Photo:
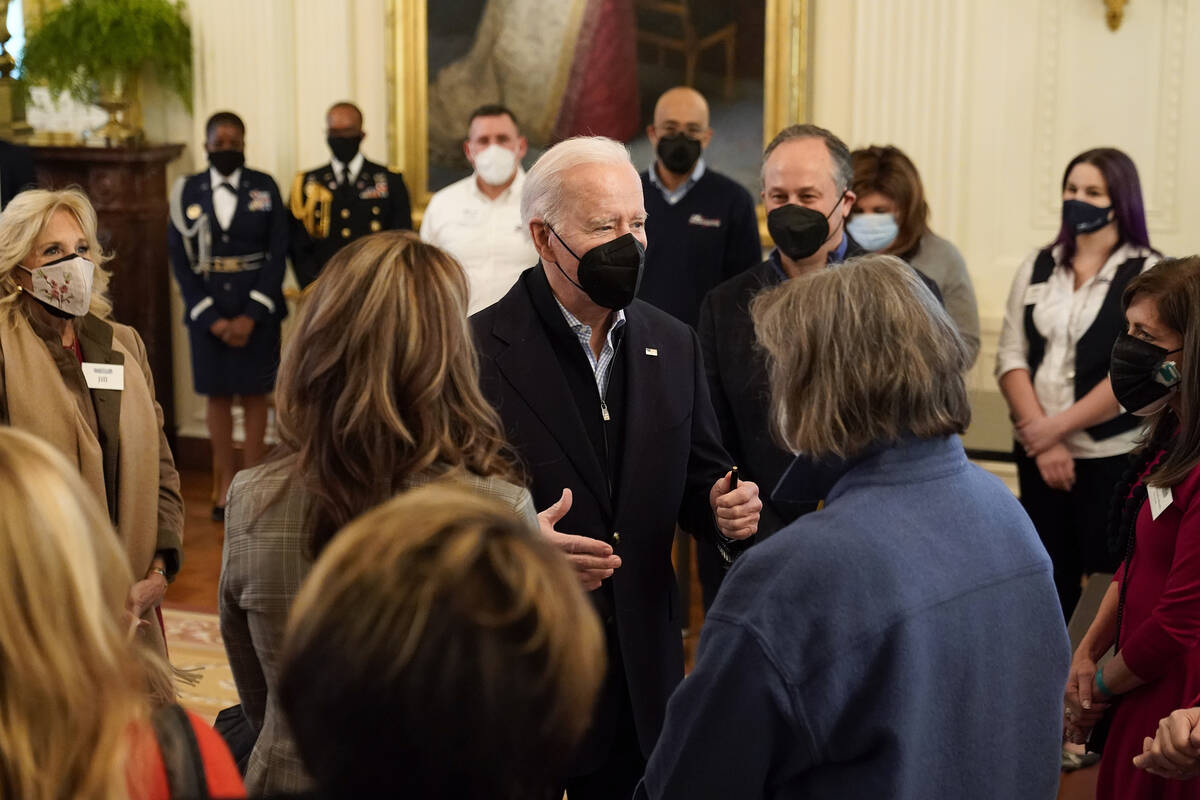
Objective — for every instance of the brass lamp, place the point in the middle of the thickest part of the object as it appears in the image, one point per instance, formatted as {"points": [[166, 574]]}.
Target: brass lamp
{"points": [[12, 99]]}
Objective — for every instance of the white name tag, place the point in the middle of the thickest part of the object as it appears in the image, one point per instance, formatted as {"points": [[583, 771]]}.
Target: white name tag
{"points": [[1159, 500], [104, 376], [1034, 294]]}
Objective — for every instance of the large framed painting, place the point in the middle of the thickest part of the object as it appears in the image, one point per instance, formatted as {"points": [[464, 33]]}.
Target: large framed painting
{"points": [[570, 67]]}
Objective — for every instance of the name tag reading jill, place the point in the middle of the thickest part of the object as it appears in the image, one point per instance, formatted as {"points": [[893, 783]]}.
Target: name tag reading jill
{"points": [[104, 376], [1160, 498]]}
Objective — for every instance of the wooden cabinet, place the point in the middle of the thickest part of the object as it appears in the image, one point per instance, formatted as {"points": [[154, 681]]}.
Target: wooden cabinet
{"points": [[128, 188]]}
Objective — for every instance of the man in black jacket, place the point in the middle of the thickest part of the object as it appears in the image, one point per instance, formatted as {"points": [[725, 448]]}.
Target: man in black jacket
{"points": [[605, 400], [806, 176], [343, 200]]}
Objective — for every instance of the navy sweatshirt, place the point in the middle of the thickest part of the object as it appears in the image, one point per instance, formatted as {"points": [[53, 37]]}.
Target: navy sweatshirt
{"points": [[901, 643], [707, 237]]}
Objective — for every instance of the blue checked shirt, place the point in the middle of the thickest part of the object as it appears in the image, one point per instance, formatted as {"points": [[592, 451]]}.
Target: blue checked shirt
{"points": [[602, 366]]}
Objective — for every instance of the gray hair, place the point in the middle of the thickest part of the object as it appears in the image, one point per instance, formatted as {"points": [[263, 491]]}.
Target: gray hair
{"points": [[542, 196], [860, 353], [843, 171]]}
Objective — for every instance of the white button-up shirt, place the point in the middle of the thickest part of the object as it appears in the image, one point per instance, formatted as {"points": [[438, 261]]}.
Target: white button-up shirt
{"points": [[224, 201], [1062, 314], [485, 236], [354, 167]]}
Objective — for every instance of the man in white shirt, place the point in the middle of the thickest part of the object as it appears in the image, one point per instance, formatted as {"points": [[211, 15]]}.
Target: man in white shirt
{"points": [[478, 219]]}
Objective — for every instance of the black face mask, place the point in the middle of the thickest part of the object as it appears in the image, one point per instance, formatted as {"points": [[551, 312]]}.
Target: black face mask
{"points": [[609, 273], [799, 231], [226, 162], [1082, 217], [1142, 378], [344, 148], [679, 153]]}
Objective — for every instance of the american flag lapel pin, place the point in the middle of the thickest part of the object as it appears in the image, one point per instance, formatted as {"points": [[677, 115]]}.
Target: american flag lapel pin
{"points": [[652, 351]]}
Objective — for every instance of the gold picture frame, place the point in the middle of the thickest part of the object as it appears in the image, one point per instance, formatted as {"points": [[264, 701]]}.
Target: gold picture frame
{"points": [[786, 82]]}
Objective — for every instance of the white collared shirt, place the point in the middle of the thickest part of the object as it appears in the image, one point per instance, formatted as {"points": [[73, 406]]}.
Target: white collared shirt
{"points": [[1062, 314], [339, 169], [485, 236], [224, 201]]}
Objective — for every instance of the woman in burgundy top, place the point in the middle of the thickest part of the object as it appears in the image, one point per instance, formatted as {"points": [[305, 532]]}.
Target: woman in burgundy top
{"points": [[1152, 609]]}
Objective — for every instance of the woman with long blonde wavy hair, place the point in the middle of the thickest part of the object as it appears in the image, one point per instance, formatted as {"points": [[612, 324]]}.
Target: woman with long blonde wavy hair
{"points": [[76, 718], [377, 393]]}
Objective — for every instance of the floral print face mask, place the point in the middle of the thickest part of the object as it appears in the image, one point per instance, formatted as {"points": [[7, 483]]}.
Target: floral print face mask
{"points": [[65, 285]]}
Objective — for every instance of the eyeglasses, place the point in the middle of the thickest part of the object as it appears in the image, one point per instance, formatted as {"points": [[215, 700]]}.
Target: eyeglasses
{"points": [[694, 131]]}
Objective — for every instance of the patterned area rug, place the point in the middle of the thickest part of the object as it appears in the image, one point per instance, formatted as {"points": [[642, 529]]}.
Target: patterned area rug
{"points": [[194, 641]]}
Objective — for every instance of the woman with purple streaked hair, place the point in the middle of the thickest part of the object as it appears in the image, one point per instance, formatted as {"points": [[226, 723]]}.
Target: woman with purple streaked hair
{"points": [[1064, 313]]}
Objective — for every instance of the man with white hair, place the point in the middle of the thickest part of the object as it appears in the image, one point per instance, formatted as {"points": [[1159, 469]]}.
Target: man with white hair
{"points": [[604, 398]]}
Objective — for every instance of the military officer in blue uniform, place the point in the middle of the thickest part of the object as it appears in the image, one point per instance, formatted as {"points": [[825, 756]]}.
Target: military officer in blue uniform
{"points": [[347, 198], [228, 240]]}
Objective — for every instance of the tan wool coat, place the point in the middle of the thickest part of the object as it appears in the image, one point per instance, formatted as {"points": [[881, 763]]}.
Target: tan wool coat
{"points": [[115, 437]]}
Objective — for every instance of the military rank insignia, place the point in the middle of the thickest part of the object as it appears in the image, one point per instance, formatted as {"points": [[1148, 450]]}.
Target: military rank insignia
{"points": [[378, 191], [260, 200]]}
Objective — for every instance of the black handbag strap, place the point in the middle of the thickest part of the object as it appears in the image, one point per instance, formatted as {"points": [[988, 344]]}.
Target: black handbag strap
{"points": [[180, 753]]}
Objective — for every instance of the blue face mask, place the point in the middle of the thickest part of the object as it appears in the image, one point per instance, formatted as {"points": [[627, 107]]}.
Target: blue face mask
{"points": [[873, 231]]}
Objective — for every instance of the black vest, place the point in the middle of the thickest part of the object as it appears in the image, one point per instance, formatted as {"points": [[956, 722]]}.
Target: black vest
{"points": [[606, 435], [604, 422], [1093, 351]]}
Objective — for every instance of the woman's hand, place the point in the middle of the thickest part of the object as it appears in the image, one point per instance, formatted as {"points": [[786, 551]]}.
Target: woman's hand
{"points": [[1057, 468], [1174, 752], [1039, 434], [1082, 710], [146, 594]]}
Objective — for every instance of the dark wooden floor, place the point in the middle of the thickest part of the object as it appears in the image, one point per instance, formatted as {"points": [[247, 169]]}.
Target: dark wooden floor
{"points": [[195, 589]]}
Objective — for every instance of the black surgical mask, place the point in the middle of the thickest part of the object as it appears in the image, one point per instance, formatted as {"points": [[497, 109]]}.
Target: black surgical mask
{"points": [[1082, 217], [226, 162], [609, 273], [799, 231], [1142, 378], [344, 148], [679, 153]]}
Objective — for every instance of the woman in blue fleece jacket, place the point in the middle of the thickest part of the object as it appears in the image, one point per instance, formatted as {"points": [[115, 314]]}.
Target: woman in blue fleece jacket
{"points": [[869, 649]]}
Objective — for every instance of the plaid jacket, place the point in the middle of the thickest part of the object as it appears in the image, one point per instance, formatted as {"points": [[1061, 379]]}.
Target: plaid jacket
{"points": [[263, 564]]}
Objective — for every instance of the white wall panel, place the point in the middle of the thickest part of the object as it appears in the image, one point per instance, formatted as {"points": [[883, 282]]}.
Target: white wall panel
{"points": [[991, 99]]}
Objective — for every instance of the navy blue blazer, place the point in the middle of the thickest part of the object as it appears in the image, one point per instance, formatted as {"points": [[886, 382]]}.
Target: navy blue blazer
{"points": [[670, 457], [259, 225]]}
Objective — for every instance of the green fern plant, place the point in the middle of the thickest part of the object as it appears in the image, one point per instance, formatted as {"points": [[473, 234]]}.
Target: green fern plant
{"points": [[87, 43]]}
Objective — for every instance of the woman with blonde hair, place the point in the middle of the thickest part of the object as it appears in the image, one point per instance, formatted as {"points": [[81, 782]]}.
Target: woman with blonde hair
{"points": [[72, 376], [75, 717], [378, 392], [459, 603]]}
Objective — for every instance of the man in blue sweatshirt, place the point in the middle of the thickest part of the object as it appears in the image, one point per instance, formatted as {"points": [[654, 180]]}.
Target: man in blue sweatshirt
{"points": [[867, 649]]}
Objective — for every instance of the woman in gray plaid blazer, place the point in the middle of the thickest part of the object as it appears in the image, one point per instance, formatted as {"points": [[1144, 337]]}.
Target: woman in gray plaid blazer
{"points": [[377, 393]]}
